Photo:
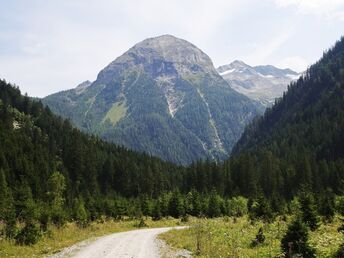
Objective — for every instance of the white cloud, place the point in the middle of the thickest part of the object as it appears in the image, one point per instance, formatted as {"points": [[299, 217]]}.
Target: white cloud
{"points": [[72, 41], [296, 63], [325, 8]]}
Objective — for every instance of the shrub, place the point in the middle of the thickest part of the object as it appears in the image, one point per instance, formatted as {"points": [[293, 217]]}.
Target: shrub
{"points": [[260, 238], [185, 218], [29, 235], [141, 223], [237, 206], [340, 252]]}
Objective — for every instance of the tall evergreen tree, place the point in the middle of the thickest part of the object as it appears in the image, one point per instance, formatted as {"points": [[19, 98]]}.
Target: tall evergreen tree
{"points": [[295, 242], [308, 209]]}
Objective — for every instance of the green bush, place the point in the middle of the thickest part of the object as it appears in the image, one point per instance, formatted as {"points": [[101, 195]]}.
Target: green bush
{"points": [[29, 235], [260, 238], [340, 252]]}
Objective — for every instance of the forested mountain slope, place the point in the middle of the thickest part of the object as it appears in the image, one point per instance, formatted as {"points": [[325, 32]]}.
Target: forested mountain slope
{"points": [[310, 115], [34, 143], [164, 97], [304, 131]]}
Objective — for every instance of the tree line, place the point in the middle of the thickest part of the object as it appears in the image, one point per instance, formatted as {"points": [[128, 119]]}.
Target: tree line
{"points": [[50, 172]]}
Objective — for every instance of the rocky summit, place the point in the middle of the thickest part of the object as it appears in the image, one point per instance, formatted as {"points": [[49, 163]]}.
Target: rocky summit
{"points": [[164, 97], [262, 83]]}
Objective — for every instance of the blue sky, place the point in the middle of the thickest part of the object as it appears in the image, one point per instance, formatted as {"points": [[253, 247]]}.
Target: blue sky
{"points": [[48, 46]]}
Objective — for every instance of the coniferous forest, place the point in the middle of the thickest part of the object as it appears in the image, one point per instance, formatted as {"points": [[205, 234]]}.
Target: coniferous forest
{"points": [[50, 172]]}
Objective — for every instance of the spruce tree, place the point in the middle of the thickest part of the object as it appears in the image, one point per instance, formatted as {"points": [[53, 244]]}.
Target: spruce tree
{"points": [[56, 187], [7, 212], [214, 205], [156, 214], [80, 213], [176, 205], [261, 209], [308, 210], [327, 206], [295, 242]]}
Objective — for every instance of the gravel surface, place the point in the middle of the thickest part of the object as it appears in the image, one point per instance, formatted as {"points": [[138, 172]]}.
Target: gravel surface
{"points": [[140, 243]]}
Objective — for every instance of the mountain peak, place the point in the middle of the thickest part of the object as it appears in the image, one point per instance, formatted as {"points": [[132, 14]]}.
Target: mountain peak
{"points": [[238, 63], [171, 49], [162, 96], [162, 55], [262, 83]]}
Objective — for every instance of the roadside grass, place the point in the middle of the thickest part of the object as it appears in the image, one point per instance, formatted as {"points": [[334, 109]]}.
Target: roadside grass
{"points": [[58, 238], [229, 237]]}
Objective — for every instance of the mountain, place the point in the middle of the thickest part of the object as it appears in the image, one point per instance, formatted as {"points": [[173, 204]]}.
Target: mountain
{"points": [[262, 83], [306, 126], [164, 97]]}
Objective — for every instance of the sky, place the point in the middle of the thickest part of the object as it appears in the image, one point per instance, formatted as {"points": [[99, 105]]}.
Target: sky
{"points": [[49, 46]]}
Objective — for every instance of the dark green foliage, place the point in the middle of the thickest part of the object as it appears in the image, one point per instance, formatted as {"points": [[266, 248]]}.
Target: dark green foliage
{"points": [[156, 213], [295, 241], [56, 187], [214, 205], [176, 205], [260, 238], [193, 203], [29, 235], [340, 252], [52, 172], [146, 206], [341, 227], [7, 211], [80, 214], [141, 223], [327, 206], [261, 209], [308, 210], [303, 132], [146, 121], [237, 206], [340, 205]]}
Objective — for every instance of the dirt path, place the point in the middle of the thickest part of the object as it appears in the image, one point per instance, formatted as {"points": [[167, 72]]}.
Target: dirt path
{"points": [[140, 243]]}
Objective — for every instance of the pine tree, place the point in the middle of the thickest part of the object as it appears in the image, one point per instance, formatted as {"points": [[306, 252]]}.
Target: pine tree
{"points": [[308, 210], [156, 214], [80, 214], [214, 205], [56, 187], [261, 209], [193, 203], [176, 205], [295, 242], [146, 206], [327, 206], [7, 212]]}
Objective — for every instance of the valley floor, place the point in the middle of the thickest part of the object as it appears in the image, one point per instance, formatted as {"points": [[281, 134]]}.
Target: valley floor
{"points": [[219, 237], [70, 234], [230, 237]]}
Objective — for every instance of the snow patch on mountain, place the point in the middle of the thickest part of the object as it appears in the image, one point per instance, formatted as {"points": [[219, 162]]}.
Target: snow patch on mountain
{"points": [[262, 83], [228, 71]]}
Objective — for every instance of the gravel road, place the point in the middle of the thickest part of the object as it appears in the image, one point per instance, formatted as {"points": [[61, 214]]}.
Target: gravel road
{"points": [[140, 243]]}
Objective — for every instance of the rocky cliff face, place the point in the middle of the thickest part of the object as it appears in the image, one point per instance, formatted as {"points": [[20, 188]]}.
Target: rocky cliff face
{"points": [[163, 96], [260, 83]]}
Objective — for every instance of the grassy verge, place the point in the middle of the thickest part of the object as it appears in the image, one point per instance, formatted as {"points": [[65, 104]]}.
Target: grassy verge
{"points": [[227, 237], [59, 238]]}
